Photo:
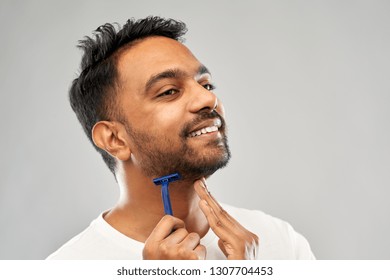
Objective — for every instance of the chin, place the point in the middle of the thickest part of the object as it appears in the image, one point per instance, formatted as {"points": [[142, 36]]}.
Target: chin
{"points": [[204, 167]]}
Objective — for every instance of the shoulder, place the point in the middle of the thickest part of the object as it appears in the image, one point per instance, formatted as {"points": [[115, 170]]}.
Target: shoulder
{"points": [[278, 239], [79, 246], [98, 241]]}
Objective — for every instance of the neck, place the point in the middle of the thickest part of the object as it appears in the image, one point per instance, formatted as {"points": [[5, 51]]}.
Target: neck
{"points": [[140, 205]]}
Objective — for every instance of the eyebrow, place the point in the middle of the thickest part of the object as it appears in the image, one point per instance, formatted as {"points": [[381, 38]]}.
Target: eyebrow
{"points": [[171, 74]]}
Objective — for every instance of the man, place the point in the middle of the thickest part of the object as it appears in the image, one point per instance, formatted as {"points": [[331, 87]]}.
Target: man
{"points": [[147, 104]]}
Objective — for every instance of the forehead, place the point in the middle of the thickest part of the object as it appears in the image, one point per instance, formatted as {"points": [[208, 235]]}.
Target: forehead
{"points": [[152, 56]]}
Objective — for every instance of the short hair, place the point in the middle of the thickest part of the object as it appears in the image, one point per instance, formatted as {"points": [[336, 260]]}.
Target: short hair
{"points": [[92, 94]]}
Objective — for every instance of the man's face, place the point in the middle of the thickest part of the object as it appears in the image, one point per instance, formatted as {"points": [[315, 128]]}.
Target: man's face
{"points": [[173, 120]]}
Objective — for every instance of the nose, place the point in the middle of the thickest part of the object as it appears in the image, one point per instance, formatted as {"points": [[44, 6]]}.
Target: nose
{"points": [[202, 99]]}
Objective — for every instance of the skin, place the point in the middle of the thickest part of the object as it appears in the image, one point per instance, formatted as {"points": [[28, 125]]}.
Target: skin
{"points": [[161, 111]]}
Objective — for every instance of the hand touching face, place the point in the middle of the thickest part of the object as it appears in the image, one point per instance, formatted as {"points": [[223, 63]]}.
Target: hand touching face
{"points": [[171, 240], [235, 241]]}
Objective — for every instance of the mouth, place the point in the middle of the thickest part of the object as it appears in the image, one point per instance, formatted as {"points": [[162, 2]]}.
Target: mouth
{"points": [[205, 128]]}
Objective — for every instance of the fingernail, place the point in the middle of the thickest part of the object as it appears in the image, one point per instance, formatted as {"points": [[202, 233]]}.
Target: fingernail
{"points": [[203, 184]]}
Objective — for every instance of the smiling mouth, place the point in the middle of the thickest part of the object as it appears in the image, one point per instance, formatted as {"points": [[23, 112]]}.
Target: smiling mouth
{"points": [[207, 129]]}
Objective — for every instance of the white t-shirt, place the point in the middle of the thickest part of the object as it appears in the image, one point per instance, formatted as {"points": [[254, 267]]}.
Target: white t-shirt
{"points": [[278, 240]]}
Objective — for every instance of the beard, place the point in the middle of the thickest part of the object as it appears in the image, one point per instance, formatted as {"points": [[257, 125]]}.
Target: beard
{"points": [[159, 156]]}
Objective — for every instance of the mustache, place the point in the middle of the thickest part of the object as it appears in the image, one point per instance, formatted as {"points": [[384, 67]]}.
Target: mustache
{"points": [[201, 117]]}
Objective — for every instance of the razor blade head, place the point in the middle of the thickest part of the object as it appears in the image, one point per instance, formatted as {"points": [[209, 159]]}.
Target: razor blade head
{"points": [[168, 178]]}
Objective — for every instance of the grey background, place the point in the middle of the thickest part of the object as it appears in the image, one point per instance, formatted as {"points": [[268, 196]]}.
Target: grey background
{"points": [[306, 89]]}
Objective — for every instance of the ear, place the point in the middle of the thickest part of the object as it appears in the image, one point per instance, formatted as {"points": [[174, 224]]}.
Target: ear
{"points": [[111, 137]]}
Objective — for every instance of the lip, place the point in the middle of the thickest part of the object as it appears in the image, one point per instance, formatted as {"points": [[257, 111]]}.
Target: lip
{"points": [[213, 122]]}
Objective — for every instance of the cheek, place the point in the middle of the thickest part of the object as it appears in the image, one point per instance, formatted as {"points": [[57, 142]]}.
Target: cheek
{"points": [[168, 118]]}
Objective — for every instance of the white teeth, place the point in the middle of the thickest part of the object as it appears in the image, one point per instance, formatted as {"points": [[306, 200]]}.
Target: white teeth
{"points": [[205, 130]]}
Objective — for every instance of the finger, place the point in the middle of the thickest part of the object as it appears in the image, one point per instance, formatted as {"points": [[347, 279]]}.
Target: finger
{"points": [[222, 247], [220, 217], [220, 229], [165, 227], [176, 236], [191, 241], [205, 195], [224, 213], [218, 209], [200, 251]]}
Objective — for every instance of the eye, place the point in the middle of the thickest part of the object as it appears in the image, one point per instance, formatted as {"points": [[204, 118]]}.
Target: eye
{"points": [[169, 92], [209, 87]]}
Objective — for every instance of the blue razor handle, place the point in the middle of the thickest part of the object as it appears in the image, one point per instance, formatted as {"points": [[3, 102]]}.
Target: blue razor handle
{"points": [[164, 181], [166, 199]]}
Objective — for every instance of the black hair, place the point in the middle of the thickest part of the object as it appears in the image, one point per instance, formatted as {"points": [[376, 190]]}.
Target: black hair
{"points": [[92, 94]]}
